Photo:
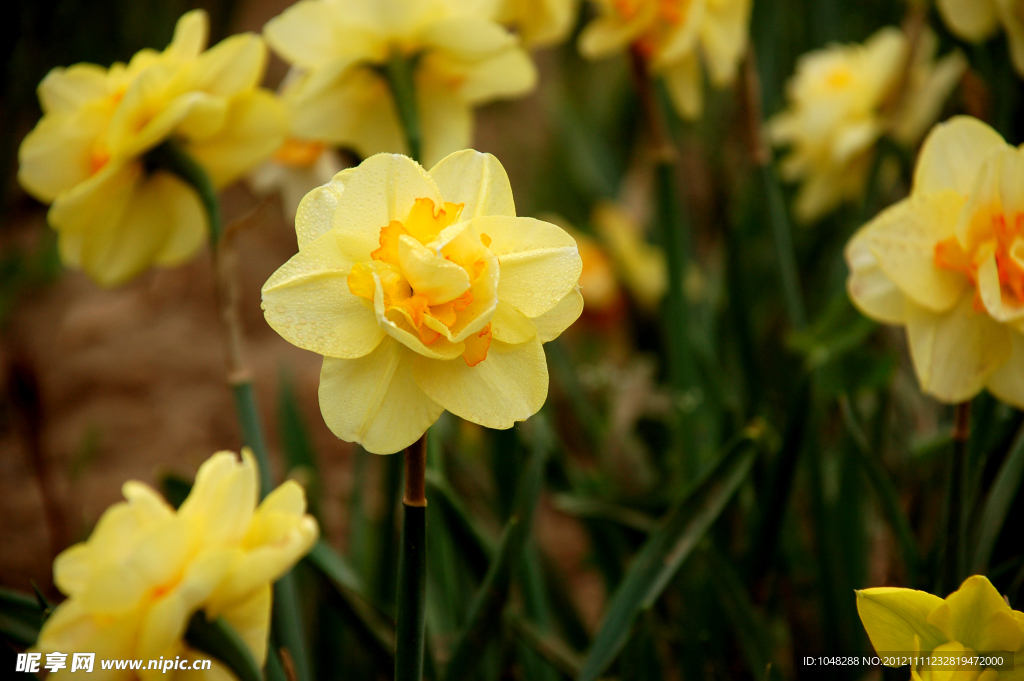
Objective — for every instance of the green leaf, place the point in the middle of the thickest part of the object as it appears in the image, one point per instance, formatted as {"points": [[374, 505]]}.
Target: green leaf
{"points": [[1000, 498], [21, 617], [345, 580], [735, 602], [551, 648], [477, 547], [218, 639], [300, 457], [668, 547], [598, 509]]}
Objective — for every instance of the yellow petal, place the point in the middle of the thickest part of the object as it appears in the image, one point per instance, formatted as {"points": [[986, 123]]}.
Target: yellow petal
{"points": [[190, 35], [973, 20], [509, 325], [308, 301], [72, 628], [429, 273], [466, 37], [398, 327], [188, 230], [922, 106], [251, 621], [305, 34], [723, 36], [903, 240], [956, 351], [510, 385], [253, 130], [223, 498], [58, 153], [205, 117], [608, 34], [893, 617], [991, 293], [538, 22], [952, 154], [1007, 382], [231, 66], [476, 180], [869, 288], [552, 323], [539, 266], [1012, 15], [445, 118], [66, 90], [374, 400], [155, 102], [316, 211], [978, 617], [685, 86]]}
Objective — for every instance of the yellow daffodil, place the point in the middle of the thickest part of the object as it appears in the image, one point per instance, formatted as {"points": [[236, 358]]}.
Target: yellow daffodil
{"points": [[538, 22], [675, 36], [948, 263], [840, 105], [598, 284], [641, 265], [459, 58], [424, 292], [146, 569], [978, 20], [973, 619], [114, 213]]}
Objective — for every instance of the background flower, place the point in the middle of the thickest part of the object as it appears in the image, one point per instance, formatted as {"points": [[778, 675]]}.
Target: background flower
{"points": [[978, 20]]}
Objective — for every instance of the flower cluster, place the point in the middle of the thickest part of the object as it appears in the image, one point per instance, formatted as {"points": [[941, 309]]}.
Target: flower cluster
{"points": [[947, 262], [972, 619], [978, 20], [843, 99], [146, 569], [424, 292], [115, 211], [674, 37]]}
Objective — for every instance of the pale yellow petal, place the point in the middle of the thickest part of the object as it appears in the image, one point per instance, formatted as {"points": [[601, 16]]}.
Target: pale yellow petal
{"points": [[1004, 309], [1007, 382], [251, 621], [977, 616], [922, 107], [315, 214], [685, 86], [476, 180], [374, 400], [155, 102], [58, 153], [869, 288], [510, 73], [1012, 14], [540, 264], [893, 617], [430, 273], [190, 35], [903, 240], [510, 385], [66, 90], [723, 37], [552, 323], [188, 230], [956, 351], [952, 154], [396, 325], [254, 129], [996, 191], [608, 34], [973, 20], [308, 301], [231, 66], [509, 325], [539, 22], [445, 118], [466, 37], [305, 34], [226, 489]]}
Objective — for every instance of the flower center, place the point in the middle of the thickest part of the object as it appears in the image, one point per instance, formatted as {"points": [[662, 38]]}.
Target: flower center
{"points": [[996, 235], [426, 290], [299, 153]]}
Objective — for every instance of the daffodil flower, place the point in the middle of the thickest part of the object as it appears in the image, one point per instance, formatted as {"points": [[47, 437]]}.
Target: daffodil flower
{"points": [[839, 108], [114, 213], [641, 265], [675, 36], [424, 292], [146, 569], [973, 619], [539, 23], [947, 263], [979, 20], [460, 59]]}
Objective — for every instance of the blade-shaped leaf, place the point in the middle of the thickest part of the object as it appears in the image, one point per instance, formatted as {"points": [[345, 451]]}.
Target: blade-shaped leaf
{"points": [[667, 548], [1000, 498], [218, 639]]}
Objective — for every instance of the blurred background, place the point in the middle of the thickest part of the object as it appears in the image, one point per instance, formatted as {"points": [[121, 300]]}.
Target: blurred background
{"points": [[101, 386]]}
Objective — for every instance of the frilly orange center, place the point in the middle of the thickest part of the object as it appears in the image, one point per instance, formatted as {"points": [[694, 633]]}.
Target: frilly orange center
{"points": [[1005, 239], [421, 310], [669, 15]]}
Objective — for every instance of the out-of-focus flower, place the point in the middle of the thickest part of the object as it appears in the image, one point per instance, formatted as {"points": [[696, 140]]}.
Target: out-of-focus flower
{"points": [[973, 619], [978, 20], [840, 106], [948, 263], [146, 569], [114, 213], [640, 265], [675, 36], [598, 283], [424, 292], [460, 59], [539, 23]]}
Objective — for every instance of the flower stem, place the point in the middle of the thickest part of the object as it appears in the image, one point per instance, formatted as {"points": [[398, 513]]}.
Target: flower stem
{"points": [[399, 73], [955, 527], [170, 157], [410, 627]]}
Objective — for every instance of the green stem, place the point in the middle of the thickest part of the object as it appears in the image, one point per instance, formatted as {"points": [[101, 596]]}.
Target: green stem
{"points": [[410, 622], [955, 562], [252, 430], [170, 156], [400, 76]]}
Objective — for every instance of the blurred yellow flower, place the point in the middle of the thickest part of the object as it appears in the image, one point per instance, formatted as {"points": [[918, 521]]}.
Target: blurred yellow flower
{"points": [[146, 568], [460, 59], [397, 284], [539, 23], [598, 284], [115, 216], [641, 265], [675, 36], [978, 20], [973, 619], [948, 263], [840, 106]]}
